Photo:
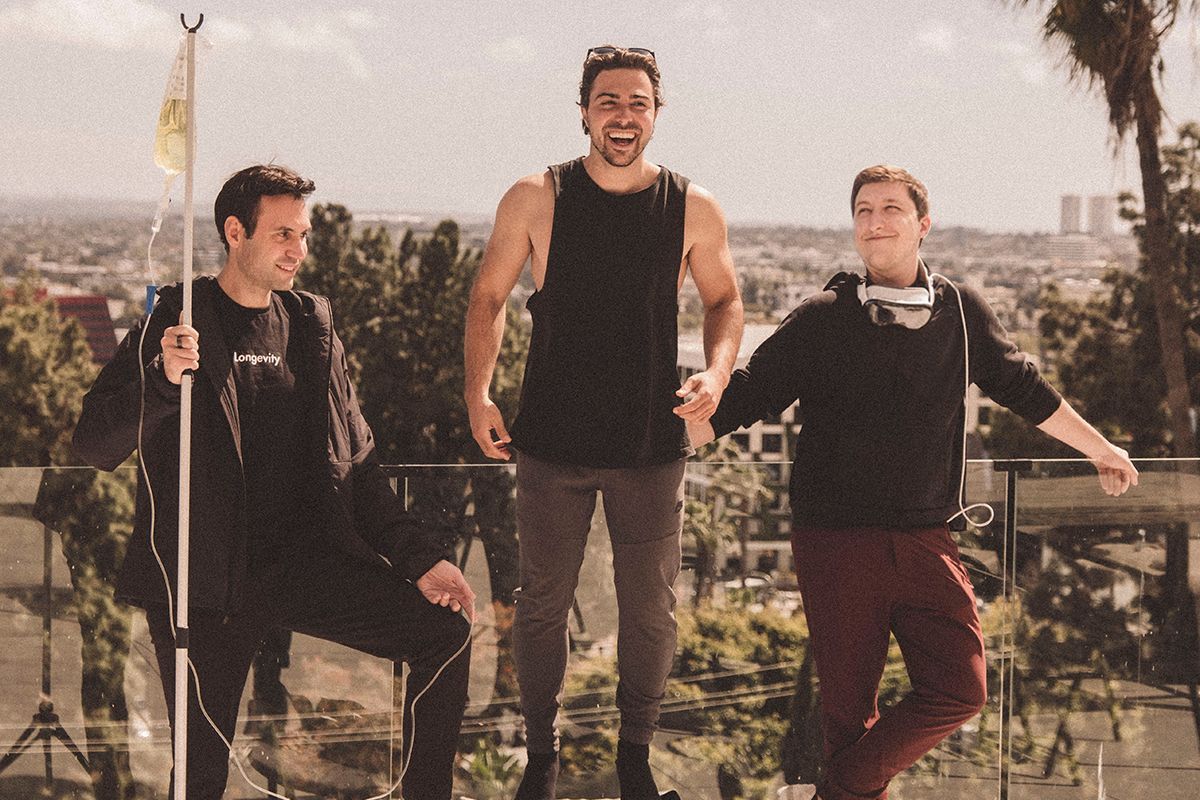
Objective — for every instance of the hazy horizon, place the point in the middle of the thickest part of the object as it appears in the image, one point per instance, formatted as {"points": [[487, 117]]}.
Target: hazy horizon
{"points": [[85, 206]]}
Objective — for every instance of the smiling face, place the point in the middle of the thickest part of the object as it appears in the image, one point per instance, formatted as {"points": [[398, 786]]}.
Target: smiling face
{"points": [[888, 232], [620, 115], [268, 260]]}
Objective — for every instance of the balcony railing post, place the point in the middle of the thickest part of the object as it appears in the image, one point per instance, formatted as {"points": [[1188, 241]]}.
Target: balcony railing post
{"points": [[1007, 656]]}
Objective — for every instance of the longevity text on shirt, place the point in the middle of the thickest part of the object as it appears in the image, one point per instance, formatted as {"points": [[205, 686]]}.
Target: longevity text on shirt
{"points": [[254, 359]]}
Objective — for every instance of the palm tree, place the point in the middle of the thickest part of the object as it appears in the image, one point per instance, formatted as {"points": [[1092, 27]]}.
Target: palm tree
{"points": [[1114, 46]]}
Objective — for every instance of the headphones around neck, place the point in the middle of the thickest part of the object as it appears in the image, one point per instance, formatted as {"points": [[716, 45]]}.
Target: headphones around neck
{"points": [[908, 307]]}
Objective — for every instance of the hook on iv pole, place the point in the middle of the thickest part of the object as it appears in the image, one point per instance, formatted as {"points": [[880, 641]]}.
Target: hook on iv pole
{"points": [[194, 28]]}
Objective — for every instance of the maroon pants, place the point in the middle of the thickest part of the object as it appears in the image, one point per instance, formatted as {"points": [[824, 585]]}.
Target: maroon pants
{"points": [[859, 585]]}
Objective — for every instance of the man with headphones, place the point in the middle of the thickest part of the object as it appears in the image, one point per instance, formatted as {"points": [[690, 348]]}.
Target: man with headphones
{"points": [[880, 366]]}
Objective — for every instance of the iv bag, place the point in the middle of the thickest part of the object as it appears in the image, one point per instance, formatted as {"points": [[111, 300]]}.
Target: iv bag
{"points": [[170, 137], [170, 148]]}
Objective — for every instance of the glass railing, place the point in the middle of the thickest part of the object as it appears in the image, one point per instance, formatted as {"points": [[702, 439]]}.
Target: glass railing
{"points": [[1087, 604]]}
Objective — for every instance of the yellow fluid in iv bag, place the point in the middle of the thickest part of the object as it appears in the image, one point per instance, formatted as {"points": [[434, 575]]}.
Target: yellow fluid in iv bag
{"points": [[170, 137]]}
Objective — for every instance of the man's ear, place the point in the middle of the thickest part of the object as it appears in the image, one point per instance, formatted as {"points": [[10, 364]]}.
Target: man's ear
{"points": [[234, 232]]}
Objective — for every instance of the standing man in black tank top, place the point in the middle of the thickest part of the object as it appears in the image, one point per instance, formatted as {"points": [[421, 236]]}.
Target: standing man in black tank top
{"points": [[610, 238]]}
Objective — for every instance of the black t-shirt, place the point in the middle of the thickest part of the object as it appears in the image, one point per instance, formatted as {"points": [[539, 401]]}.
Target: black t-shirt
{"points": [[266, 371]]}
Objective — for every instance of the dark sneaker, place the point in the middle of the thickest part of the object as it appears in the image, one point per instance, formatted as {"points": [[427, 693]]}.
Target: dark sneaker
{"points": [[634, 775]]}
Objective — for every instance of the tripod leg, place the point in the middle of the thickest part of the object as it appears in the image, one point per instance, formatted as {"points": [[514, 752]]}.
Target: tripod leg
{"points": [[19, 746], [48, 754], [60, 733]]}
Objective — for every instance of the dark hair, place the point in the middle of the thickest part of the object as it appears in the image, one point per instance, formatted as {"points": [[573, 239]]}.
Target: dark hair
{"points": [[240, 195], [618, 58], [885, 173]]}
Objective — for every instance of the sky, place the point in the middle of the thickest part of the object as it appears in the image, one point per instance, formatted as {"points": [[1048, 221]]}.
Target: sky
{"points": [[441, 105]]}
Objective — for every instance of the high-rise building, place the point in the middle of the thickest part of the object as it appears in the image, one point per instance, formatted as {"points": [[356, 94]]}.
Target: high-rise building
{"points": [[1070, 217], [1102, 213]]}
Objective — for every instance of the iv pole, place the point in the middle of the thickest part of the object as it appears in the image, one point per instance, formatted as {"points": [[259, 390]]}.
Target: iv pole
{"points": [[185, 435]]}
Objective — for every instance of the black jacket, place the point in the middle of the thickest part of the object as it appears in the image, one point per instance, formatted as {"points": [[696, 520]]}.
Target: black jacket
{"points": [[882, 407], [349, 501]]}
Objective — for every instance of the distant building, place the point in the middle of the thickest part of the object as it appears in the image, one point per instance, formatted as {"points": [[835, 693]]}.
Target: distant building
{"points": [[1102, 214], [91, 310], [93, 315], [1071, 214], [1079, 249]]}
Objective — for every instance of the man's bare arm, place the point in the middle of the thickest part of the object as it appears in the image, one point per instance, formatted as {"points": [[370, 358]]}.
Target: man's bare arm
{"points": [[1117, 472], [711, 265], [503, 259]]}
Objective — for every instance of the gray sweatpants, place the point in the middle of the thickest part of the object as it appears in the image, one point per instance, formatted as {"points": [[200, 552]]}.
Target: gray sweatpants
{"points": [[644, 510]]}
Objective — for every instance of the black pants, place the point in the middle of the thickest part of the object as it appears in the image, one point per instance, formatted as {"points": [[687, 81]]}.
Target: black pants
{"points": [[368, 608]]}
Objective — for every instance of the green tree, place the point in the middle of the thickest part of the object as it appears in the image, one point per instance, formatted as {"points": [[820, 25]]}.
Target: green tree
{"points": [[1107, 355], [1102, 353], [93, 513], [401, 311], [1114, 45], [46, 369], [1182, 167], [1181, 175], [737, 494], [755, 657], [711, 530]]}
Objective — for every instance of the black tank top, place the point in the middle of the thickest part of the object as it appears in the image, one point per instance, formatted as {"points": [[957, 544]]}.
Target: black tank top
{"points": [[601, 375]]}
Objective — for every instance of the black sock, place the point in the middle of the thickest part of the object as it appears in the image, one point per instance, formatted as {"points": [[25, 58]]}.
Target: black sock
{"points": [[540, 778], [633, 771]]}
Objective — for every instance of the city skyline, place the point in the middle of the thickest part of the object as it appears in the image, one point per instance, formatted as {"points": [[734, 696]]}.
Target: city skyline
{"points": [[441, 106]]}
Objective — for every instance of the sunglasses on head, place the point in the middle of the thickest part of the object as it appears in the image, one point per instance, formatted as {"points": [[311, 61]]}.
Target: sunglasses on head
{"points": [[606, 50]]}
